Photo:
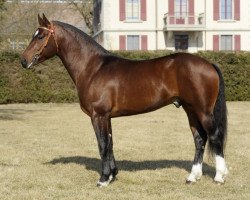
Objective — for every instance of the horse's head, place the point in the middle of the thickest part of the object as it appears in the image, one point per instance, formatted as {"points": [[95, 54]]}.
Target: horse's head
{"points": [[42, 46]]}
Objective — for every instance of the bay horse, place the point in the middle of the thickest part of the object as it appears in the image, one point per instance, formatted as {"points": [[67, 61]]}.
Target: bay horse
{"points": [[109, 86]]}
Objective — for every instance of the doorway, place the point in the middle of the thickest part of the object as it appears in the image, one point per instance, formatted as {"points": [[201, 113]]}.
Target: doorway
{"points": [[181, 42]]}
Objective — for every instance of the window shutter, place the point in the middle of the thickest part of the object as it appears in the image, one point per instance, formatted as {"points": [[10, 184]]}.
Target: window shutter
{"points": [[144, 42], [216, 42], [143, 10], [191, 12], [122, 42], [171, 11], [216, 10], [237, 43], [122, 10], [237, 10]]}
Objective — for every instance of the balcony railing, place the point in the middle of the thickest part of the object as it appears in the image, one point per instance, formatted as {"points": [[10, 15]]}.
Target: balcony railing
{"points": [[186, 22]]}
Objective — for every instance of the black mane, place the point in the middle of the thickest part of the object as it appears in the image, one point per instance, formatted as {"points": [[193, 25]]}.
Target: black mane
{"points": [[89, 40]]}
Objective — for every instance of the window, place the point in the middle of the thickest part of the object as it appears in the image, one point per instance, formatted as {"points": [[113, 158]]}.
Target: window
{"points": [[132, 10], [226, 43], [133, 42], [180, 8], [226, 9], [181, 42]]}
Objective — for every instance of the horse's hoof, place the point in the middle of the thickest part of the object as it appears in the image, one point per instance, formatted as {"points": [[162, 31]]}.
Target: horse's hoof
{"points": [[102, 184], [189, 182], [105, 183], [219, 179], [192, 179], [219, 182]]}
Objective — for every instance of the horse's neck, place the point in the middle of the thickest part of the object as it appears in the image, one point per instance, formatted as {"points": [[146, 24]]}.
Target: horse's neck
{"points": [[77, 57]]}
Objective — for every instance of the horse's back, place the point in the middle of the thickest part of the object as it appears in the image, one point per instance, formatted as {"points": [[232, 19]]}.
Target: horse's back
{"points": [[129, 87]]}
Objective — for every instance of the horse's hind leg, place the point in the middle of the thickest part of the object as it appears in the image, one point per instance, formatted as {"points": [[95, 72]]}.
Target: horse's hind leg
{"points": [[216, 146], [200, 138]]}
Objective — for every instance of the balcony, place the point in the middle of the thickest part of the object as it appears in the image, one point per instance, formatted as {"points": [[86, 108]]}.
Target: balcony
{"points": [[189, 22]]}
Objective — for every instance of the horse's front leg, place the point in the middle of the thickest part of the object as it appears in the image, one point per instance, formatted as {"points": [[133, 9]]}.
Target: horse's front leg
{"points": [[103, 131]]}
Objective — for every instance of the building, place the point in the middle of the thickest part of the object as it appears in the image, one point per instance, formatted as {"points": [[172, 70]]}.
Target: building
{"points": [[189, 25]]}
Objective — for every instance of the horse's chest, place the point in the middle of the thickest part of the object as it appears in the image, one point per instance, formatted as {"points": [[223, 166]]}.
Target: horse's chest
{"points": [[83, 100]]}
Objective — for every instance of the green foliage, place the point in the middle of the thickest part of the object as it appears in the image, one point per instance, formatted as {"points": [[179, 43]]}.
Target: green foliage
{"points": [[50, 82], [236, 71], [8, 56], [2, 6], [141, 55]]}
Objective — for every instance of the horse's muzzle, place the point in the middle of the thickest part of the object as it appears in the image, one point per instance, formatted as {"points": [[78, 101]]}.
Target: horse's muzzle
{"points": [[24, 62], [27, 65]]}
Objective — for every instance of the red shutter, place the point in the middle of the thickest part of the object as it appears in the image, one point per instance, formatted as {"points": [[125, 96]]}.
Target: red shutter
{"points": [[237, 43], [122, 42], [216, 10], [122, 10], [144, 42], [216, 42], [143, 10], [191, 12], [237, 10], [171, 11]]}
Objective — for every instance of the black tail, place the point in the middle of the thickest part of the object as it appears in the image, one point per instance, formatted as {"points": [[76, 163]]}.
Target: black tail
{"points": [[220, 113]]}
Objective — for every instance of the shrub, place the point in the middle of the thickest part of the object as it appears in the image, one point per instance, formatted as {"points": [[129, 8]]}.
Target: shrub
{"points": [[50, 82]]}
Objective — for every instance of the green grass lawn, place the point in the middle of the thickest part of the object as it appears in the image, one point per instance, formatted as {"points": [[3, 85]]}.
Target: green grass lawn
{"points": [[49, 151]]}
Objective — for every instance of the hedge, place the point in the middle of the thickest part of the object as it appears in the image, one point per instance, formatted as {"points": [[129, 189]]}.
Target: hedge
{"points": [[50, 82]]}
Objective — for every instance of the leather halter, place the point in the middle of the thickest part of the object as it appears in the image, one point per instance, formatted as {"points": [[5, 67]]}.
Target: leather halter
{"points": [[51, 32]]}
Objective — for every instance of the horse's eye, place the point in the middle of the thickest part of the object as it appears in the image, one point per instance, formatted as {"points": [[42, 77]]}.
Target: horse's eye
{"points": [[40, 37]]}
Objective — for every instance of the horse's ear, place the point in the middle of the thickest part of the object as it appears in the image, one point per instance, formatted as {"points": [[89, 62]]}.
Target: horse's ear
{"points": [[40, 21], [46, 21]]}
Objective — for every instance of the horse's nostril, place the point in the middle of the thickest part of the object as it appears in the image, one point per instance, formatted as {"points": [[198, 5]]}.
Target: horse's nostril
{"points": [[24, 62]]}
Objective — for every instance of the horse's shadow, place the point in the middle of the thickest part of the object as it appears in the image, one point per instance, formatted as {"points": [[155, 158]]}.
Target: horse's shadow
{"points": [[94, 164], [16, 114]]}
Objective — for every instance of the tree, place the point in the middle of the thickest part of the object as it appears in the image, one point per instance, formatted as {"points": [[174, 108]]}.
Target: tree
{"points": [[19, 19], [2, 8], [85, 9]]}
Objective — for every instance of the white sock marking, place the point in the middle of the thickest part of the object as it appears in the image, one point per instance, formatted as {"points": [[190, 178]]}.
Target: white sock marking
{"points": [[196, 173], [106, 183], [221, 169]]}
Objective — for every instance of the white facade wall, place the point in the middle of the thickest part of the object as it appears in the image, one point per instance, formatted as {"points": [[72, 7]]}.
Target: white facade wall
{"points": [[113, 27], [160, 37], [111, 39], [112, 22]]}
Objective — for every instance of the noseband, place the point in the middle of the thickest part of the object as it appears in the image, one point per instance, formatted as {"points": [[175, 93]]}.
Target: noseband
{"points": [[51, 32]]}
